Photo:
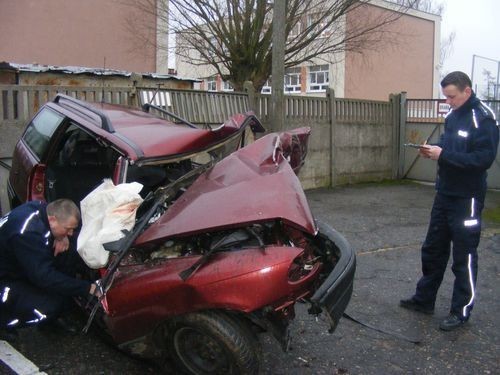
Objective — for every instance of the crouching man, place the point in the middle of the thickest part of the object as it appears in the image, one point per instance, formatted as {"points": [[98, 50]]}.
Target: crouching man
{"points": [[35, 284]]}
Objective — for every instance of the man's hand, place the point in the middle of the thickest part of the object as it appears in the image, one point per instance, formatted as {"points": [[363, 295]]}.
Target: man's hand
{"points": [[60, 245], [430, 152], [96, 290]]}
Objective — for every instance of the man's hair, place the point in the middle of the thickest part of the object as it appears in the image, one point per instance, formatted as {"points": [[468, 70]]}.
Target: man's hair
{"points": [[63, 210], [459, 79]]}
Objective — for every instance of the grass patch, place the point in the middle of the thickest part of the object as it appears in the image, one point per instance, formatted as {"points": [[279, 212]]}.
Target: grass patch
{"points": [[492, 215], [386, 182], [379, 183], [491, 211]]}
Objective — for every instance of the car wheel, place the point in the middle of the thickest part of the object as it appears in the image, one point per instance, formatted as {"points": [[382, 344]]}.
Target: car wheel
{"points": [[213, 343]]}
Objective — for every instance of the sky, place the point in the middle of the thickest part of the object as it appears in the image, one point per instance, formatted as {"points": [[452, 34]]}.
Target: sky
{"points": [[477, 27]]}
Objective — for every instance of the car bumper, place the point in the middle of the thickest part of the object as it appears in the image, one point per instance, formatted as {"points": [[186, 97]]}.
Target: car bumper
{"points": [[334, 294]]}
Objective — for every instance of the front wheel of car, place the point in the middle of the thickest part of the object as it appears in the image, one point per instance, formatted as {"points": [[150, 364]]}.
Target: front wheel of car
{"points": [[213, 343]]}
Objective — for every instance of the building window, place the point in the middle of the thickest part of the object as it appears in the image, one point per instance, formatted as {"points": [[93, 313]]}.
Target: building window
{"points": [[226, 86], [295, 31], [212, 84], [317, 23], [266, 89], [292, 80], [318, 78], [212, 46]]}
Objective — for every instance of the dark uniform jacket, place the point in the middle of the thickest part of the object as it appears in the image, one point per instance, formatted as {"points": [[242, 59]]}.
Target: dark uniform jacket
{"points": [[26, 252], [469, 147]]}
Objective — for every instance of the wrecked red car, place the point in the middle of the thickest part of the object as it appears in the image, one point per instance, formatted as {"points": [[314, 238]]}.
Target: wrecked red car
{"points": [[224, 243]]}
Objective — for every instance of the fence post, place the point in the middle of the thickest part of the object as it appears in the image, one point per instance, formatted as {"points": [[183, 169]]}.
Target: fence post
{"points": [[330, 94], [395, 101], [399, 110], [136, 82]]}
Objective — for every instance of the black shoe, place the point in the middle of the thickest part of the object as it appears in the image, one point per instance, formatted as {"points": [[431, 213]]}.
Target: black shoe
{"points": [[411, 304], [452, 322], [8, 334], [59, 325]]}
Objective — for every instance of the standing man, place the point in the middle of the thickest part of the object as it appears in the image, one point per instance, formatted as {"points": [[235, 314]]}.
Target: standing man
{"points": [[34, 287], [466, 150]]}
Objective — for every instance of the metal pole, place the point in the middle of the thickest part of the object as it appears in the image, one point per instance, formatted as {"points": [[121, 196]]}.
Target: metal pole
{"points": [[496, 87], [472, 72]]}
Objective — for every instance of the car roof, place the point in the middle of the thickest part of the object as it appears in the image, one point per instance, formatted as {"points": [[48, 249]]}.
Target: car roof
{"points": [[154, 136], [147, 135]]}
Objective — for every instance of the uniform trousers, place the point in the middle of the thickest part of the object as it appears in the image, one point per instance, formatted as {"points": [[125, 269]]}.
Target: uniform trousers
{"points": [[455, 226]]}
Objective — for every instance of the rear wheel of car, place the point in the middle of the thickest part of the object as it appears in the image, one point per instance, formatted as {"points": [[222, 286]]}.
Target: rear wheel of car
{"points": [[213, 343]]}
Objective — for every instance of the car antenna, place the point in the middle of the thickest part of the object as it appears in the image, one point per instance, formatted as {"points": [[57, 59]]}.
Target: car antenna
{"points": [[156, 92]]}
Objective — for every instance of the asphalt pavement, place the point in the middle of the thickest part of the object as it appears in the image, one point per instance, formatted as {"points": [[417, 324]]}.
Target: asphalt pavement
{"points": [[385, 223]]}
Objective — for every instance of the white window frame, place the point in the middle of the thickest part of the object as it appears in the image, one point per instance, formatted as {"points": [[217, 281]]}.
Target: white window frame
{"points": [[227, 86], [295, 32], [267, 88], [293, 81], [211, 84], [318, 78], [213, 41], [311, 18]]}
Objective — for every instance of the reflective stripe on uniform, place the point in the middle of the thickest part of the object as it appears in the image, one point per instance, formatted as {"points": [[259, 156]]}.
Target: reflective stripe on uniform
{"points": [[5, 294], [471, 285], [25, 225], [472, 222], [3, 220], [474, 119]]}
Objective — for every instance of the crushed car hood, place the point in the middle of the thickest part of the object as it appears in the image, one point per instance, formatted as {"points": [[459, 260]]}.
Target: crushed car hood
{"points": [[253, 184]]}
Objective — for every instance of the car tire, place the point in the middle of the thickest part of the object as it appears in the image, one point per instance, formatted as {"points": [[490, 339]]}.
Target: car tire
{"points": [[212, 343]]}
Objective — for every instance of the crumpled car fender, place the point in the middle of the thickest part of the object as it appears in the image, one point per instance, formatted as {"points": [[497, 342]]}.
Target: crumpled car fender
{"points": [[253, 184], [236, 281]]}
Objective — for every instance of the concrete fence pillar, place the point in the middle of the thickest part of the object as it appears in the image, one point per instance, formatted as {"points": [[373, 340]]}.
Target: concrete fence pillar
{"points": [[330, 94], [136, 81], [402, 133], [395, 99], [398, 102]]}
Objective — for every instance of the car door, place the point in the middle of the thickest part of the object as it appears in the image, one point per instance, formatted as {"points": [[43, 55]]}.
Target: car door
{"points": [[29, 155]]}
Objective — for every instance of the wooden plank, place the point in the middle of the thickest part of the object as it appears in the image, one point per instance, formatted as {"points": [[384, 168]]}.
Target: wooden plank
{"points": [[10, 105]]}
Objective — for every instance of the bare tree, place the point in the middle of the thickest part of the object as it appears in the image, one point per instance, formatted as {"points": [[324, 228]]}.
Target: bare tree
{"points": [[234, 37], [489, 91], [429, 6], [446, 48]]}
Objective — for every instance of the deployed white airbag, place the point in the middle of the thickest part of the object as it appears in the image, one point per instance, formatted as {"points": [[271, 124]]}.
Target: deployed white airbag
{"points": [[106, 211]]}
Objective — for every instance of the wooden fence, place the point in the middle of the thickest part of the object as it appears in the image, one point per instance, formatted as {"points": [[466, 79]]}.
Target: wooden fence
{"points": [[348, 125], [22, 102], [434, 110], [198, 107], [304, 107]]}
